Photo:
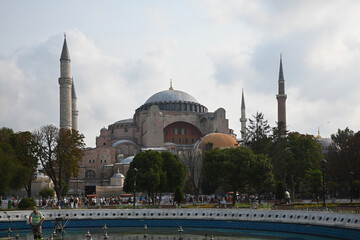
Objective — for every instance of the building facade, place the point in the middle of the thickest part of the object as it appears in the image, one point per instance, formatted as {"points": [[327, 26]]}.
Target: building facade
{"points": [[169, 120]]}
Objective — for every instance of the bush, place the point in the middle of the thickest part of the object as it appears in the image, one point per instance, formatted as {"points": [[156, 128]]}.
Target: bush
{"points": [[27, 203], [47, 192]]}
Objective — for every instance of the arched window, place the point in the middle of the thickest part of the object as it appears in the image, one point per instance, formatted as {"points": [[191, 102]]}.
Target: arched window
{"points": [[127, 149], [90, 174]]}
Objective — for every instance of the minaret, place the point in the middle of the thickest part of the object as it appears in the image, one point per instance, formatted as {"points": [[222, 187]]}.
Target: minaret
{"points": [[243, 117], [281, 98], [75, 112], [65, 82]]}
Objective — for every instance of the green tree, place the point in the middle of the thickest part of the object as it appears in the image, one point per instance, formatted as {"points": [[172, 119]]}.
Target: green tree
{"points": [[312, 181], [342, 137], [173, 174], [238, 169], [257, 134], [342, 158], [179, 196], [280, 155], [261, 170], [292, 156], [24, 145], [69, 152], [60, 153], [148, 175], [5, 134], [174, 170], [7, 166], [156, 173]]}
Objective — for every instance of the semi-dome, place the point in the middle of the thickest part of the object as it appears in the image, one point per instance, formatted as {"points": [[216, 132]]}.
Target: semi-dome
{"points": [[171, 96], [127, 160], [219, 140]]}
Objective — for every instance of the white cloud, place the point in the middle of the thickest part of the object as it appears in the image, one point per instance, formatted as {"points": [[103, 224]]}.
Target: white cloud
{"points": [[108, 89], [211, 48]]}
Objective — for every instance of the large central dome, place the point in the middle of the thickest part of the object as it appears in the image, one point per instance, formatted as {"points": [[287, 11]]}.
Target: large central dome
{"points": [[171, 96], [173, 100]]}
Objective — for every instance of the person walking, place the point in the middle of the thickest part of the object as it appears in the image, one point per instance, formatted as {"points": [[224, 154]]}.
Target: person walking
{"points": [[36, 219], [287, 196]]}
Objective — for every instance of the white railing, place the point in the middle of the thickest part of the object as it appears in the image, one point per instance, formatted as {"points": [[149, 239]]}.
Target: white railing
{"points": [[322, 218]]}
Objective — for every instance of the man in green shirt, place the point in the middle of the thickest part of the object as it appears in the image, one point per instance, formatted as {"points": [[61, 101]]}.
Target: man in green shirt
{"points": [[36, 219]]}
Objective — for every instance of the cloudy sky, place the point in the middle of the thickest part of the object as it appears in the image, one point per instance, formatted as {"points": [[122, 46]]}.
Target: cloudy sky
{"points": [[123, 52]]}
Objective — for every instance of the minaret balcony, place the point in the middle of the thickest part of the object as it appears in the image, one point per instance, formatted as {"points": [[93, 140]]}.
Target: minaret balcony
{"points": [[281, 96]]}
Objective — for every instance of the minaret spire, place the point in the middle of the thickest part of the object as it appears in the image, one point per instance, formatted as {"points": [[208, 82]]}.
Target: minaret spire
{"points": [[65, 51], [243, 117], [281, 98], [281, 72], [66, 83]]}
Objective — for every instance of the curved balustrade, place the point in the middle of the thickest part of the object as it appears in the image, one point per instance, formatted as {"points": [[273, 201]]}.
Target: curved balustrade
{"points": [[224, 218]]}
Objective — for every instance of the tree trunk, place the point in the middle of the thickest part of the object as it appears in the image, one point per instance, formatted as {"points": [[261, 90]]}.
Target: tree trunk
{"points": [[259, 194], [293, 188], [28, 190], [285, 185]]}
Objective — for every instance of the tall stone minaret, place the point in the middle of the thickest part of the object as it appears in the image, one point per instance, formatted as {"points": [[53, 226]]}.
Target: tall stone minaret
{"points": [[281, 98], [75, 112], [66, 83], [243, 117]]}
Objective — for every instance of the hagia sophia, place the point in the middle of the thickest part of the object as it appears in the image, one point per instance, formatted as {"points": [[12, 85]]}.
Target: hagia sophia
{"points": [[169, 120]]}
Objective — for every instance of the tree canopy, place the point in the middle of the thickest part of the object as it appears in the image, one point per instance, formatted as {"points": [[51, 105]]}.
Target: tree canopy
{"points": [[24, 145], [293, 156], [7, 166], [238, 169], [18, 161], [343, 163], [60, 153], [156, 173], [257, 134]]}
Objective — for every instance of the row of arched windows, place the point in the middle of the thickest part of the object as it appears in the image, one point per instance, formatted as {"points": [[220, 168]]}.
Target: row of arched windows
{"points": [[188, 107]]}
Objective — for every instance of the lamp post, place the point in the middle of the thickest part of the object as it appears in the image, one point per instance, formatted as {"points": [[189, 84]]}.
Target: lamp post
{"points": [[135, 170], [351, 185], [323, 165]]}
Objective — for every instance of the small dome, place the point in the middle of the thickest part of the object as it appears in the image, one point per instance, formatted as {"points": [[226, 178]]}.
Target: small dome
{"points": [[219, 140], [325, 144], [41, 177], [127, 160], [118, 175], [171, 96]]}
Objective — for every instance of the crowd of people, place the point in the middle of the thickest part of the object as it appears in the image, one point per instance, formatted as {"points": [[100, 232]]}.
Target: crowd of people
{"points": [[93, 201]]}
